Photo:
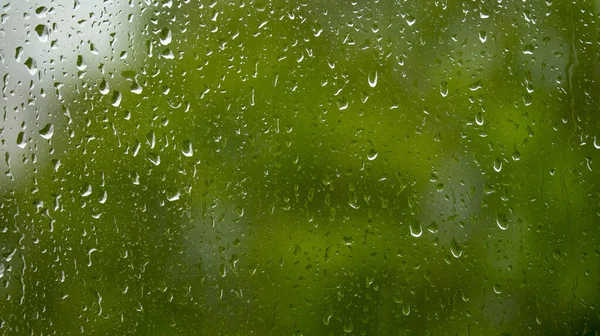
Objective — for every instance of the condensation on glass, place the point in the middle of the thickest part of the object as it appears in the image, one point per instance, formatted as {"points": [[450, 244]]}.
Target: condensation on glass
{"points": [[304, 167]]}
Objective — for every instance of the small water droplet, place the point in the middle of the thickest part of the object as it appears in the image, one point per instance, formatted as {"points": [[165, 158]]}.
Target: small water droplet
{"points": [[410, 20], [104, 87], [416, 229], [165, 36], [475, 86], [596, 144], [406, 309], [41, 12], [174, 196], [455, 249], [342, 104], [502, 221], [372, 155], [497, 165], [528, 49], [372, 78], [31, 65], [497, 289], [482, 36], [348, 326], [42, 32], [47, 131], [87, 191], [187, 149], [116, 99], [444, 89], [21, 140]]}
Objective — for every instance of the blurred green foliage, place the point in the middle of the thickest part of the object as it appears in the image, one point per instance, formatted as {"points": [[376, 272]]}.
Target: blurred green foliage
{"points": [[318, 168]]}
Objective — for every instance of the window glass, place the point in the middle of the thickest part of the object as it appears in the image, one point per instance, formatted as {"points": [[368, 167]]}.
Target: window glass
{"points": [[253, 167]]}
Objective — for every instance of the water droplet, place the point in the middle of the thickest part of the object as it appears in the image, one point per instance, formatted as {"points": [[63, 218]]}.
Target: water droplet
{"points": [[502, 221], [596, 144], [528, 49], [1, 270], [187, 149], [416, 230], [41, 11], [444, 89], [174, 196], [116, 99], [47, 131], [475, 86], [342, 104], [372, 155], [165, 36], [87, 191], [348, 326], [406, 309], [497, 289], [31, 65], [410, 20], [497, 165], [42, 32], [455, 249], [104, 87], [482, 36], [80, 65], [21, 140], [372, 78]]}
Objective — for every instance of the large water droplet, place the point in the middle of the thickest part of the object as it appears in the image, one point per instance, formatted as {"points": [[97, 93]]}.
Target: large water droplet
{"points": [[372, 78], [165, 36], [31, 65], [21, 140], [444, 89], [502, 221], [47, 131], [372, 155], [116, 99], [455, 249], [416, 229], [104, 87], [42, 32]]}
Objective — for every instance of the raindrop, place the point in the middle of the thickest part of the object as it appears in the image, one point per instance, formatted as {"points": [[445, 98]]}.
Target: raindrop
{"points": [[596, 144], [187, 149], [410, 20], [482, 36], [406, 309], [116, 99], [416, 230], [497, 289], [372, 155], [497, 165], [21, 140], [372, 79], [528, 49], [47, 131], [174, 196], [31, 65], [455, 249], [165, 36], [41, 12], [475, 86], [502, 221], [42, 32], [348, 326], [104, 87], [444, 89], [479, 120]]}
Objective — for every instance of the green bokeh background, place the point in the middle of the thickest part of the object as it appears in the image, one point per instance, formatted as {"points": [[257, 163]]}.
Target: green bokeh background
{"points": [[456, 194]]}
